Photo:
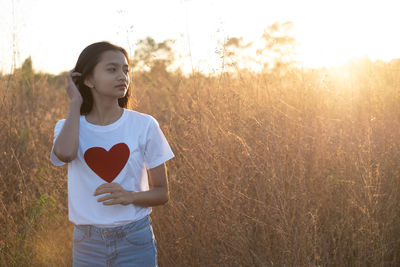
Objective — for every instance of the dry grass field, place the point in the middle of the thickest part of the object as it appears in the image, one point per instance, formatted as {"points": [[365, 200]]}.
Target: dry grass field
{"points": [[300, 168]]}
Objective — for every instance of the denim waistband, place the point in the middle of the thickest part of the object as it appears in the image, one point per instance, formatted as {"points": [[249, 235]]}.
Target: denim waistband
{"points": [[102, 231]]}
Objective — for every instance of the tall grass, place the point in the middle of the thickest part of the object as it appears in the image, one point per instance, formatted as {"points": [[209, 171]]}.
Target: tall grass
{"points": [[293, 169]]}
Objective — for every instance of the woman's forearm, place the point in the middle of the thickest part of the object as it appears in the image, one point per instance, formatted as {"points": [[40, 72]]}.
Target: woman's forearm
{"points": [[153, 197], [66, 144]]}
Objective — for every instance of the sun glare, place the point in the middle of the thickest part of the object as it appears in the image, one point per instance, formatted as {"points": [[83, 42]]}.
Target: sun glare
{"points": [[329, 33], [343, 31]]}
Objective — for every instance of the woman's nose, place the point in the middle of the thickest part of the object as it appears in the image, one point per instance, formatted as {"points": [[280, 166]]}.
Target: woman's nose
{"points": [[123, 76]]}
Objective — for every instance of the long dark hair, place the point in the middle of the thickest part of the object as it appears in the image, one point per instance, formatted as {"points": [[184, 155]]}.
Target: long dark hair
{"points": [[87, 61]]}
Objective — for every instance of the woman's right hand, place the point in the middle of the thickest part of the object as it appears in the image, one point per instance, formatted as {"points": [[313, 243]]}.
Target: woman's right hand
{"points": [[72, 89]]}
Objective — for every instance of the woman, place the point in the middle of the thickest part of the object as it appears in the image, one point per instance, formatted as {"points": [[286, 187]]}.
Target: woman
{"points": [[109, 150]]}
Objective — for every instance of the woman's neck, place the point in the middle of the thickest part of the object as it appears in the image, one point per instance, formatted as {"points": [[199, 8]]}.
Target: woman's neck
{"points": [[104, 115]]}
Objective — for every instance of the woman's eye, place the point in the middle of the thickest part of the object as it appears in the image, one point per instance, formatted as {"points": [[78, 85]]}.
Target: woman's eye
{"points": [[113, 69]]}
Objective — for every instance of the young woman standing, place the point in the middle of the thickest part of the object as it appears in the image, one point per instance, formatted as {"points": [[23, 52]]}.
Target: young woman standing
{"points": [[109, 150]]}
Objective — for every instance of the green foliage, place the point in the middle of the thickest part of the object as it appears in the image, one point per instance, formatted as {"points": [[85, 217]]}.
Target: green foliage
{"points": [[153, 55], [41, 173], [26, 68], [45, 205]]}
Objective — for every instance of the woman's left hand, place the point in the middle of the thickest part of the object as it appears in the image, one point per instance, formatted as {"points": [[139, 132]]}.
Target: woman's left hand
{"points": [[118, 195]]}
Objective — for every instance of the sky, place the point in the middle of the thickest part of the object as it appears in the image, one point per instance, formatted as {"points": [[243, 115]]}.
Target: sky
{"points": [[329, 33]]}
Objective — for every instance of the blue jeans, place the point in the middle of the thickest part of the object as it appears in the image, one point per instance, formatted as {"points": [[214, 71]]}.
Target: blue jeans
{"points": [[131, 244]]}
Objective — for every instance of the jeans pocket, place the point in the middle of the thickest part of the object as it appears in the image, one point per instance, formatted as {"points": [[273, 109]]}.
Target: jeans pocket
{"points": [[78, 235], [140, 237]]}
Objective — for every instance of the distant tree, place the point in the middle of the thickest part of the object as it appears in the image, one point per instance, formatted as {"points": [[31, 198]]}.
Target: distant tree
{"points": [[152, 55], [231, 51], [26, 68], [277, 51], [25, 77], [279, 48]]}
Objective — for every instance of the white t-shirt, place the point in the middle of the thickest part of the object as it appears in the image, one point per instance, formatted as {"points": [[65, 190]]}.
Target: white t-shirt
{"points": [[119, 152]]}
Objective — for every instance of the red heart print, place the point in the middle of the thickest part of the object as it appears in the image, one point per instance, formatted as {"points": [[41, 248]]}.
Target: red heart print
{"points": [[107, 164]]}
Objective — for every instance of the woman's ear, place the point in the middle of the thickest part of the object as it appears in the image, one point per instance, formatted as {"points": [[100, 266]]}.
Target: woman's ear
{"points": [[88, 82]]}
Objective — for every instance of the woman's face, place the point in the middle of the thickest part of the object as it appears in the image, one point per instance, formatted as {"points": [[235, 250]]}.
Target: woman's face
{"points": [[109, 73]]}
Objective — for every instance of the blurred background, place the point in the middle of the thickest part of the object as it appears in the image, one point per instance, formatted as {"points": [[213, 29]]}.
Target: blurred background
{"points": [[283, 115], [326, 33]]}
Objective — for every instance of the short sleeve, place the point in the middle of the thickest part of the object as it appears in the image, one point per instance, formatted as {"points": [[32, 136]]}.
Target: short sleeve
{"points": [[53, 158], [157, 149]]}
